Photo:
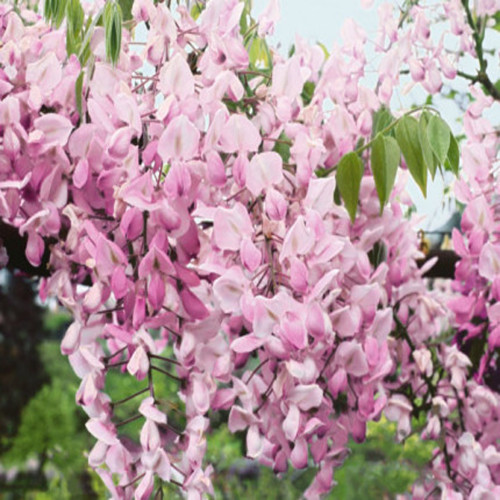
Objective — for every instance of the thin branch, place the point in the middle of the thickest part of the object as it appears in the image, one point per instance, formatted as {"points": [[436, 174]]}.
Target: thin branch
{"points": [[163, 358], [128, 398], [128, 420], [257, 369], [168, 374]]}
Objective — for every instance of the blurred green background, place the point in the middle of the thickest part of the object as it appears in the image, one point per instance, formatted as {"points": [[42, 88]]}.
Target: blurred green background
{"points": [[44, 442]]}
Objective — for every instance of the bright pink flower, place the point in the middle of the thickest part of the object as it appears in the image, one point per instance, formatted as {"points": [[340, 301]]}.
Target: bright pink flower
{"points": [[288, 79], [193, 305], [179, 141], [101, 430], [293, 330], [264, 171], [46, 72], [176, 78], [55, 128], [306, 396], [138, 364], [251, 256], [239, 135], [269, 18], [291, 423], [275, 205], [350, 356], [231, 226], [399, 410], [489, 261]]}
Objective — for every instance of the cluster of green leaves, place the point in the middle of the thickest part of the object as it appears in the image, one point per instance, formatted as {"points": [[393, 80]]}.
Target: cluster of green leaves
{"points": [[380, 467], [377, 468], [52, 429], [80, 30], [113, 29], [259, 55], [426, 144]]}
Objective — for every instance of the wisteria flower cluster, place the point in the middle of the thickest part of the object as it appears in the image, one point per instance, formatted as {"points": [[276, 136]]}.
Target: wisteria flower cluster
{"points": [[235, 221]]}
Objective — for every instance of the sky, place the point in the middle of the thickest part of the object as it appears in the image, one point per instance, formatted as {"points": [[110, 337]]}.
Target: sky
{"points": [[318, 20]]}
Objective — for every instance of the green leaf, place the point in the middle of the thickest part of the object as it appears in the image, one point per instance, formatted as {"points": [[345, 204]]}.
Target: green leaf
{"points": [[453, 156], [47, 10], [197, 9], [407, 132], [84, 52], [324, 49], [336, 196], [282, 148], [78, 93], [75, 17], [308, 92], [126, 6], [438, 134], [72, 44], [385, 157], [381, 120], [377, 254], [349, 174], [58, 12], [259, 54], [113, 30], [427, 153]]}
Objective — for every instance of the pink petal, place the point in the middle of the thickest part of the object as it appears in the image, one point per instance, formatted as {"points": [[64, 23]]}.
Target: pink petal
{"points": [[240, 419], [287, 79], [81, 173], [200, 395], [251, 256], [264, 171], [104, 432], [149, 410], [46, 72], [138, 364], [246, 343], [298, 456], [150, 436], [193, 306], [298, 275], [119, 143], [177, 78], [231, 226], [71, 340], [291, 423], [156, 291], [35, 248], [306, 396], [239, 135], [350, 355], [179, 141], [216, 169], [145, 488], [56, 128], [293, 330], [275, 205]]}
